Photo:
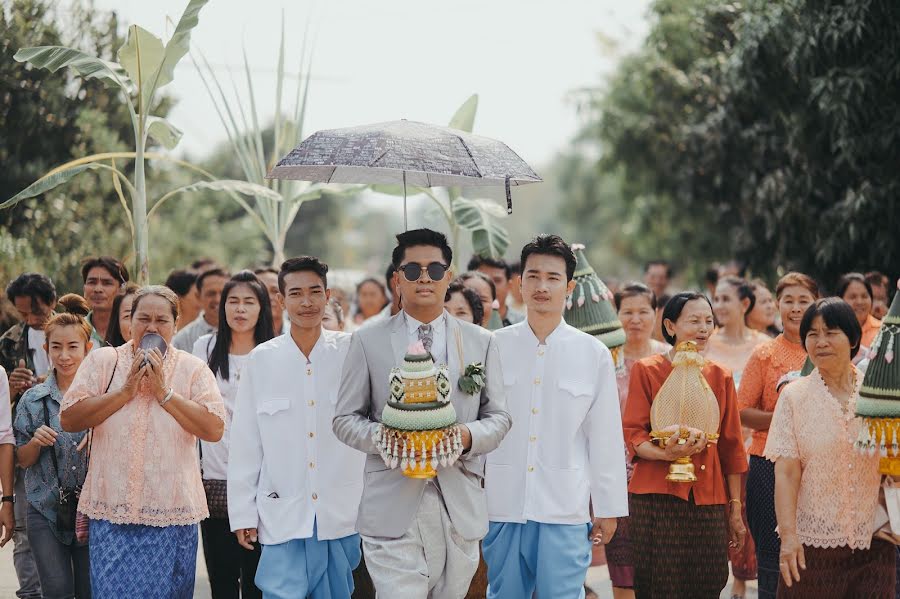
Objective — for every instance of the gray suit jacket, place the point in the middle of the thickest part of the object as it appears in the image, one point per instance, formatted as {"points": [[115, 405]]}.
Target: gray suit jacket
{"points": [[390, 500]]}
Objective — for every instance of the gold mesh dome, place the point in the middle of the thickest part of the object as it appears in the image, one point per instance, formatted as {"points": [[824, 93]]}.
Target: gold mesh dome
{"points": [[685, 400]]}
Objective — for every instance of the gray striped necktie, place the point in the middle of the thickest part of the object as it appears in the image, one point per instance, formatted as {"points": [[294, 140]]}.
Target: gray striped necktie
{"points": [[426, 336]]}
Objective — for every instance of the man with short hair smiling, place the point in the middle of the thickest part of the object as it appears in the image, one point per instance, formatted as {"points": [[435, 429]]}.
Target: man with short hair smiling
{"points": [[420, 537], [104, 279], [209, 287], [291, 484], [501, 274], [564, 453]]}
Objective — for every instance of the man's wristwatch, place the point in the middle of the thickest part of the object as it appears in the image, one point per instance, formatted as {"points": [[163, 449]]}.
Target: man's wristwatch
{"points": [[9, 498]]}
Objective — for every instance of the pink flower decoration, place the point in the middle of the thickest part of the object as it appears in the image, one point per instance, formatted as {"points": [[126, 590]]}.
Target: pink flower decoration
{"points": [[416, 348]]}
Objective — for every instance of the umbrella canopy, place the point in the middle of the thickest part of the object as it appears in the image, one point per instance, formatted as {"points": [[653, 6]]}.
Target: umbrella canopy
{"points": [[407, 152]]}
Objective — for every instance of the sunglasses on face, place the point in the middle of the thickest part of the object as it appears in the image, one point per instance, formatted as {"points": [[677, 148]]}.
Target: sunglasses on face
{"points": [[412, 271]]}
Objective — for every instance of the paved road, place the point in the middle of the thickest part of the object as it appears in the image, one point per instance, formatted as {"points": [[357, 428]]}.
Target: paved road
{"points": [[598, 579]]}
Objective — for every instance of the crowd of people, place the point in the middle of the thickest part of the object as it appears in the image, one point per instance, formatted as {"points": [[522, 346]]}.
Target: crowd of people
{"points": [[247, 430]]}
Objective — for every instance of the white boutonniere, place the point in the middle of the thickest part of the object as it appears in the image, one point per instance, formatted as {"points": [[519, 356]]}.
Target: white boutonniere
{"points": [[473, 379]]}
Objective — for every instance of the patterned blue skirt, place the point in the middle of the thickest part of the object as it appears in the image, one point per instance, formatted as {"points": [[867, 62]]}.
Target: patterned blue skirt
{"points": [[134, 560]]}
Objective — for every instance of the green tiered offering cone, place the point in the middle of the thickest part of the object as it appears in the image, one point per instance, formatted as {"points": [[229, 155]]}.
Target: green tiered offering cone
{"points": [[879, 397], [590, 308]]}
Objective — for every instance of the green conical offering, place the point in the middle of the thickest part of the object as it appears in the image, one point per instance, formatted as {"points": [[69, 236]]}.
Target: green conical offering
{"points": [[590, 308], [879, 396], [808, 367]]}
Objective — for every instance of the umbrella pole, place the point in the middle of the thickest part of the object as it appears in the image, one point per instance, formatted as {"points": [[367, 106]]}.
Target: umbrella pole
{"points": [[405, 219]]}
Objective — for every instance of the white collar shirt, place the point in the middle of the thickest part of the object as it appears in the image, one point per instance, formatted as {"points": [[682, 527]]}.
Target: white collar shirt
{"points": [[438, 335], [286, 469], [565, 449]]}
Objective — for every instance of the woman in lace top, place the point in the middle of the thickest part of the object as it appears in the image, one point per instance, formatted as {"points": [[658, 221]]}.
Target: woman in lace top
{"points": [[826, 491], [143, 491]]}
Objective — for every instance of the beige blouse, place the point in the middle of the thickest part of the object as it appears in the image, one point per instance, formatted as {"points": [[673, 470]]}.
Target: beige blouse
{"points": [[144, 466], [839, 485]]}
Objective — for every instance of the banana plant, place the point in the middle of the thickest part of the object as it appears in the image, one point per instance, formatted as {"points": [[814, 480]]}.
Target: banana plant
{"points": [[475, 216], [273, 211], [145, 65]]}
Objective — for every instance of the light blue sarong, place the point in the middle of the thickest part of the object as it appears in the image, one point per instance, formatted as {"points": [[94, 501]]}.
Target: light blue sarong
{"points": [[309, 568], [551, 559]]}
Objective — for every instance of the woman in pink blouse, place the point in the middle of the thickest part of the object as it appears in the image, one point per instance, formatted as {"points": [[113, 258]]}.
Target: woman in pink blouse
{"points": [[143, 491], [826, 491]]}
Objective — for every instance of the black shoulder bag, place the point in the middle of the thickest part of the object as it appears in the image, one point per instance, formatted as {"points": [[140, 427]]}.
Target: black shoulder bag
{"points": [[67, 502]]}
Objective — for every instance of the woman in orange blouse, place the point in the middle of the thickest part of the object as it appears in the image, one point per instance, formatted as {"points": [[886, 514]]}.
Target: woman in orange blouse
{"points": [[757, 397], [854, 289], [678, 530]]}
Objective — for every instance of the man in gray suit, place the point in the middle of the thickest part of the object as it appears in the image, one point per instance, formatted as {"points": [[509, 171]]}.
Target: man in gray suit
{"points": [[420, 538]]}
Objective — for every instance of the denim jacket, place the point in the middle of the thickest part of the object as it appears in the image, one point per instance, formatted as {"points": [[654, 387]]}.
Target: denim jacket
{"points": [[42, 482]]}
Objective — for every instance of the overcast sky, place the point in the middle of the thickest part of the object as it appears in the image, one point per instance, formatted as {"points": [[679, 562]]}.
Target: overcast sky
{"points": [[391, 59]]}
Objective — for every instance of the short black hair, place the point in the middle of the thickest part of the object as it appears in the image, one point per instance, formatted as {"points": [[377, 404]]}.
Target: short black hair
{"points": [[550, 245], [471, 298], [203, 264], [212, 272], [515, 267], [853, 277], [477, 261], [264, 269], [421, 237], [837, 314], [113, 266], [181, 281], [302, 264], [474, 274], [32, 285], [659, 262], [634, 289], [675, 306]]}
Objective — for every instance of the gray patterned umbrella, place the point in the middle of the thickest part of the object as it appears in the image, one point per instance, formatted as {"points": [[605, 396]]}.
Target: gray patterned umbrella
{"points": [[407, 152]]}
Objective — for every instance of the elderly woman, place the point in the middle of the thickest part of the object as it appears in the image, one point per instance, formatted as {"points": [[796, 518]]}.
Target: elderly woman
{"points": [[680, 532], [464, 303], [143, 491], [636, 305], [854, 289], [757, 397], [826, 491]]}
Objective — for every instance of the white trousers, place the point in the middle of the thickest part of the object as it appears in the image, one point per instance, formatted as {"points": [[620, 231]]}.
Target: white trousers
{"points": [[430, 560]]}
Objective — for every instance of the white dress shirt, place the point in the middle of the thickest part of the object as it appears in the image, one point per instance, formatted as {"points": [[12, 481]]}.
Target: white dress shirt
{"points": [[214, 456], [438, 335], [286, 468], [565, 444], [6, 431]]}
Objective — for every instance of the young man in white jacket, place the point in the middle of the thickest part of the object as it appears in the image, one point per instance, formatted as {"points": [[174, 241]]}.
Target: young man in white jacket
{"points": [[291, 484], [563, 454]]}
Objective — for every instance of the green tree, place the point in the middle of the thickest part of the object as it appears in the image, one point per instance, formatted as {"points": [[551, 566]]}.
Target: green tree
{"points": [[764, 131]]}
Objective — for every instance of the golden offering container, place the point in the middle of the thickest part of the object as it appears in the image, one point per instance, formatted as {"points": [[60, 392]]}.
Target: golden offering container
{"points": [[682, 469], [882, 432], [422, 468]]}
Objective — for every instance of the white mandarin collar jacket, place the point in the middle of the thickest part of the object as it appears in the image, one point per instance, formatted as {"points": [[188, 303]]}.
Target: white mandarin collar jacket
{"points": [[565, 446], [286, 468]]}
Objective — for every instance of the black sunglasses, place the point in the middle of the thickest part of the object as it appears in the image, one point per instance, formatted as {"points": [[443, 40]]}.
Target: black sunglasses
{"points": [[412, 271]]}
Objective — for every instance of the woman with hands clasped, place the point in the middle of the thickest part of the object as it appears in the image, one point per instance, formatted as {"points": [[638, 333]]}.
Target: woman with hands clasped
{"points": [[679, 531], [826, 491], [143, 491]]}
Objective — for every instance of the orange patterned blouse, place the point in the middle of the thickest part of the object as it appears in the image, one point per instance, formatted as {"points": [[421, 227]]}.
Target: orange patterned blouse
{"points": [[768, 363]]}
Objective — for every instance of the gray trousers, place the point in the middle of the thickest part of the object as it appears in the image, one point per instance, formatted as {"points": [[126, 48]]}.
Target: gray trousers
{"points": [[430, 560], [23, 560]]}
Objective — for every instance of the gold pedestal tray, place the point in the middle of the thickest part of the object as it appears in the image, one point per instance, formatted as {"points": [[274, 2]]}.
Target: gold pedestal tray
{"points": [[884, 432], [419, 468], [682, 469]]}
